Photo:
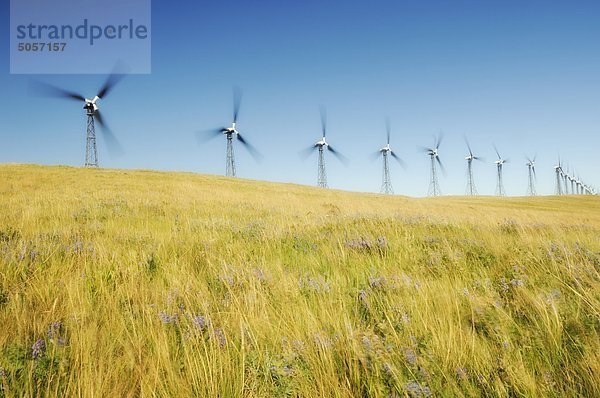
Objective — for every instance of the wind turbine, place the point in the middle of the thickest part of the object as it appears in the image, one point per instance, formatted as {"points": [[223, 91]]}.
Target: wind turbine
{"points": [[92, 111], [230, 133], [589, 190], [579, 185], [322, 145], [559, 172], [471, 190], [567, 178], [532, 176], [434, 155], [499, 165], [385, 152], [572, 180]]}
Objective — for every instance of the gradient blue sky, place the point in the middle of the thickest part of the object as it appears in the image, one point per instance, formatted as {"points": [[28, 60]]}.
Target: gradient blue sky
{"points": [[521, 74]]}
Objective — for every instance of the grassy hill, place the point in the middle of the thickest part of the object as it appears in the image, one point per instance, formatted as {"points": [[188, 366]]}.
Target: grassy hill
{"points": [[138, 283]]}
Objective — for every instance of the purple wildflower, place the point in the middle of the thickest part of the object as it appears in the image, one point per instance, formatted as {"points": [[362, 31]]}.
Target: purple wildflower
{"points": [[166, 318], [503, 285], [315, 285], [200, 322], [363, 244], [55, 331], [298, 345], [33, 255], [517, 282], [77, 247], [367, 344], [377, 283], [322, 340], [220, 336], [38, 349], [414, 389], [410, 356], [362, 295], [553, 296]]}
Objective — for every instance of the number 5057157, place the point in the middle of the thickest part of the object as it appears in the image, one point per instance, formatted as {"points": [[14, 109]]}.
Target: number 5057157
{"points": [[39, 47]]}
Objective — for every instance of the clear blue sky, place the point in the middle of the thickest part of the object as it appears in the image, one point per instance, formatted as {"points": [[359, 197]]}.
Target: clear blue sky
{"points": [[524, 75]]}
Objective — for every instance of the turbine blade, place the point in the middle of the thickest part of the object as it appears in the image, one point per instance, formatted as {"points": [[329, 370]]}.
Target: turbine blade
{"points": [[497, 153], [305, 153], [439, 140], [323, 112], [112, 143], [253, 151], [388, 129], [424, 149], [206, 135], [400, 161], [375, 155], [338, 155], [237, 100], [441, 165], [48, 90], [469, 146], [117, 74]]}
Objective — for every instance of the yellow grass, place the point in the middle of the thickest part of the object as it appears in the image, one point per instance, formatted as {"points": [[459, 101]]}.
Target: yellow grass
{"points": [[140, 283]]}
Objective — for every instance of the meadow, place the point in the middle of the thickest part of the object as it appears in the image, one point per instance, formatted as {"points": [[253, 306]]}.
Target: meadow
{"points": [[118, 283]]}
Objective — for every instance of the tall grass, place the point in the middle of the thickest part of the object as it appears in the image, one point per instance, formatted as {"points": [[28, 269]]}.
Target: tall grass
{"points": [[133, 283]]}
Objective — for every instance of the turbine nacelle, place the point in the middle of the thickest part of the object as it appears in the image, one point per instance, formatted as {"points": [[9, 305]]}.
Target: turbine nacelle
{"points": [[322, 143], [229, 131], [90, 104]]}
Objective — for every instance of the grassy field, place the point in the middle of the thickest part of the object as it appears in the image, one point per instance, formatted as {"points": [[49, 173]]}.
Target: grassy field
{"points": [[139, 283]]}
